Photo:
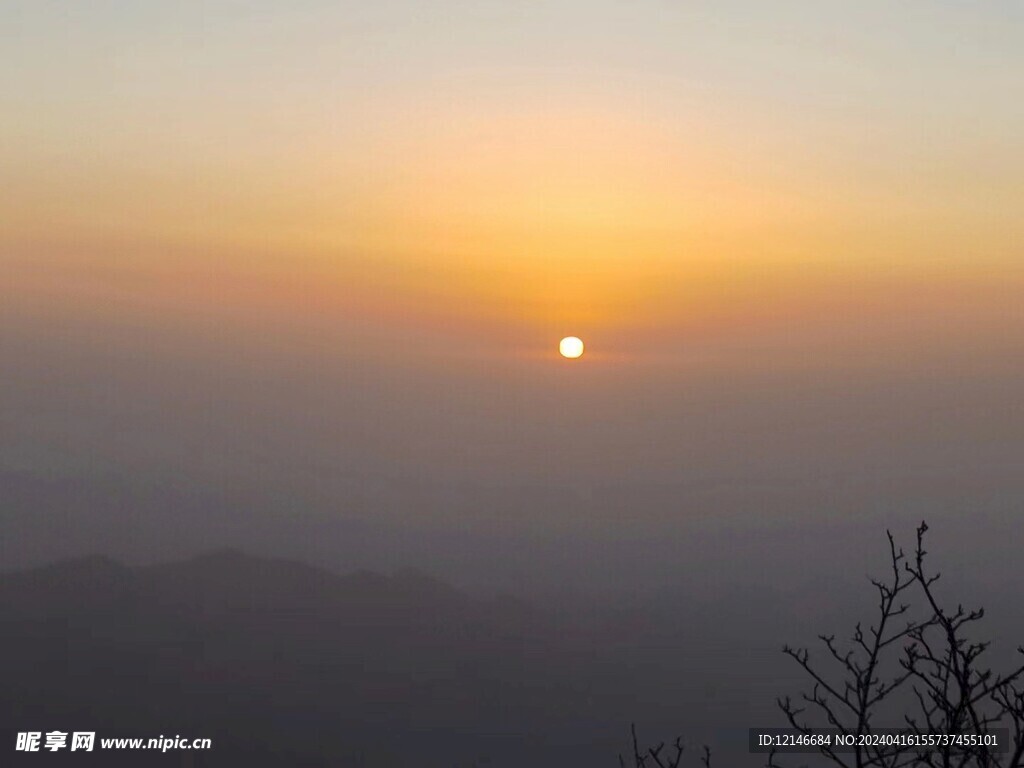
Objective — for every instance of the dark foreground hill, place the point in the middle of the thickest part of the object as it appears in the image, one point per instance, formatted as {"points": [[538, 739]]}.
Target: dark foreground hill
{"points": [[283, 664]]}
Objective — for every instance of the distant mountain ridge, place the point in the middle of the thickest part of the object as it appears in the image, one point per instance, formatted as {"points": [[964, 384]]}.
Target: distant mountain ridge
{"points": [[283, 663], [270, 654]]}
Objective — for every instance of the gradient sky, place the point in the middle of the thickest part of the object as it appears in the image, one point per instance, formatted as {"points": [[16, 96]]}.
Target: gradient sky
{"points": [[280, 241]]}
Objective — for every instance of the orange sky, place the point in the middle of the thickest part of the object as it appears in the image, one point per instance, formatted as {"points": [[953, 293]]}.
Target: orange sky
{"points": [[614, 187]]}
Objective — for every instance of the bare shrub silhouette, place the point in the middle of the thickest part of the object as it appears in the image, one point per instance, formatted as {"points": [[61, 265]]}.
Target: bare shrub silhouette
{"points": [[919, 664], [658, 757]]}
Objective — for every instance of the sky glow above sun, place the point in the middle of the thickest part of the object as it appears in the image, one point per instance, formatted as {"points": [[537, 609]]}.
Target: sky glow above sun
{"points": [[483, 177]]}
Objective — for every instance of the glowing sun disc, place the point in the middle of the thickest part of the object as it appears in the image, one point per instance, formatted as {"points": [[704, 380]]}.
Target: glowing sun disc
{"points": [[570, 347]]}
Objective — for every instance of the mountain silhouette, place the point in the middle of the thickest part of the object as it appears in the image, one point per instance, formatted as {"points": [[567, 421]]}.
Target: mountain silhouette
{"points": [[279, 663]]}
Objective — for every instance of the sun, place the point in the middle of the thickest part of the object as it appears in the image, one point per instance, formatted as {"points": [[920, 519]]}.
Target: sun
{"points": [[570, 347]]}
